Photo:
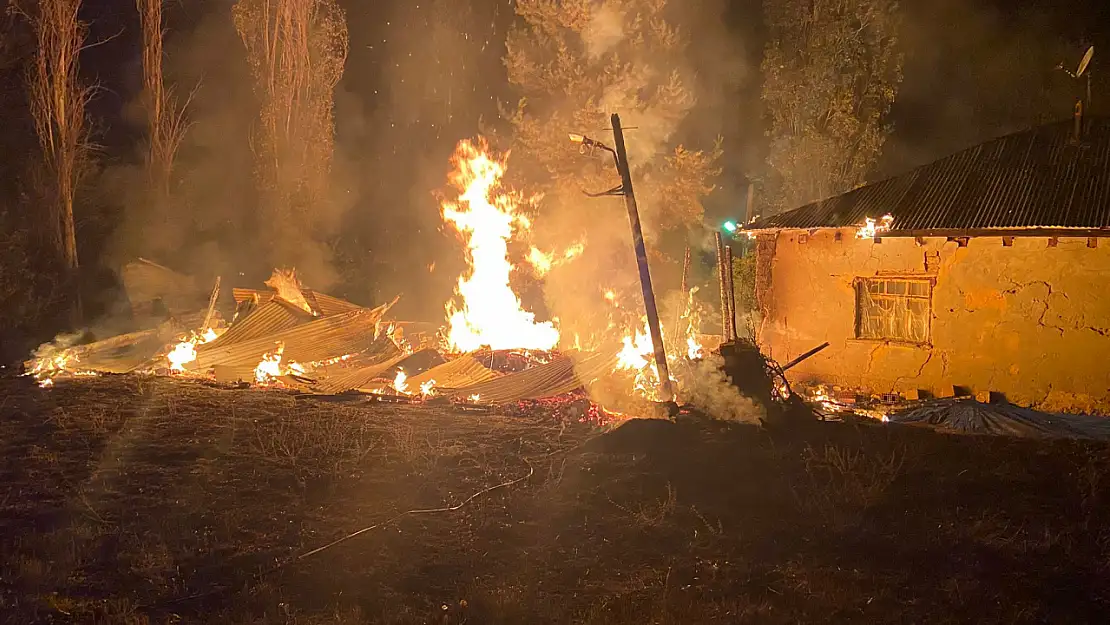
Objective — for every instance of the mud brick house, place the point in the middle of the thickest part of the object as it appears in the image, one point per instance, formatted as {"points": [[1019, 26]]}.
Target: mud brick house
{"points": [[994, 275]]}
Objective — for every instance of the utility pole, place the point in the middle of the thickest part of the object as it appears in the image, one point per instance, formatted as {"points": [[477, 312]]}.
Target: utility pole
{"points": [[620, 155], [641, 261]]}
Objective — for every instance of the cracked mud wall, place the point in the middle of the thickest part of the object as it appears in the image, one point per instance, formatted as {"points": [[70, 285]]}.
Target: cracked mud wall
{"points": [[1029, 321]]}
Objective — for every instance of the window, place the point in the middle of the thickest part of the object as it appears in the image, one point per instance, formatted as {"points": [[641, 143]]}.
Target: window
{"points": [[894, 309]]}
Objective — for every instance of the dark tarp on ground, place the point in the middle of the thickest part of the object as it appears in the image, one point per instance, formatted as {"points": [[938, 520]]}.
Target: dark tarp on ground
{"points": [[965, 415]]}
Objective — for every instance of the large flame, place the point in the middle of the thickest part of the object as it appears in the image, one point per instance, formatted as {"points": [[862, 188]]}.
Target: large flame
{"points": [[490, 314]]}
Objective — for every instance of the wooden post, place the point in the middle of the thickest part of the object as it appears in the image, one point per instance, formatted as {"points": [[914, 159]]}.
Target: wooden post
{"points": [[665, 390], [682, 300], [731, 292], [211, 305], [722, 279]]}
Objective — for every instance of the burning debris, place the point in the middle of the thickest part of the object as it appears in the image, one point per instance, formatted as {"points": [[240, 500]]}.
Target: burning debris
{"points": [[490, 348], [289, 289]]}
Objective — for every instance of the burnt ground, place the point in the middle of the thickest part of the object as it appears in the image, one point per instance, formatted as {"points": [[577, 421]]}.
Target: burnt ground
{"points": [[129, 500]]}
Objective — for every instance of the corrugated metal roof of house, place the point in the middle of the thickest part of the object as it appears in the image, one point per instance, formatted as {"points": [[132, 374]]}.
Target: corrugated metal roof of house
{"points": [[1039, 178]]}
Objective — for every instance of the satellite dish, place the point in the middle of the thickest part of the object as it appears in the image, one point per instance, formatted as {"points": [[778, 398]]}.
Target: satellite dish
{"points": [[1085, 62]]}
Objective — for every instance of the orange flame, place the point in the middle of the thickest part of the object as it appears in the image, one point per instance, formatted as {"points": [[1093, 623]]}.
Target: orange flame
{"points": [[289, 288], [269, 367], [871, 229], [485, 216], [185, 351]]}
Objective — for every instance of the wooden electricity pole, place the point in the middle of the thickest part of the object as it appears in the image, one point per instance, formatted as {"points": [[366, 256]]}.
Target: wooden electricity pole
{"points": [[665, 390]]}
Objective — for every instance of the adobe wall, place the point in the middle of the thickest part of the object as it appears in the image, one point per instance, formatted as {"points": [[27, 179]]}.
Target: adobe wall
{"points": [[1030, 321]]}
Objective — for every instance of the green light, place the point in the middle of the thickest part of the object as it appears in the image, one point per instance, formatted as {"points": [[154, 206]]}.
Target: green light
{"points": [[730, 226]]}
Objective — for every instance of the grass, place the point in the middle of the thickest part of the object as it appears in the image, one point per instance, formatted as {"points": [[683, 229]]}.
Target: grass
{"points": [[131, 500]]}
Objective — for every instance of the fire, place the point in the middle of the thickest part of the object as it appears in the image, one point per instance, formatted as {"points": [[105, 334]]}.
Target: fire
{"points": [[475, 397], [870, 229], [289, 288], [51, 364], [484, 215], [427, 389], [694, 349], [574, 251], [270, 365], [635, 351], [185, 351], [542, 262], [637, 355], [182, 354], [400, 383]]}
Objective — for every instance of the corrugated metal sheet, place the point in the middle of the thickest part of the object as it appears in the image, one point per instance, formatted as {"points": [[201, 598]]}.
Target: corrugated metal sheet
{"points": [[322, 339], [328, 305], [559, 376], [458, 373], [146, 281], [1039, 178], [361, 377], [274, 316], [325, 304]]}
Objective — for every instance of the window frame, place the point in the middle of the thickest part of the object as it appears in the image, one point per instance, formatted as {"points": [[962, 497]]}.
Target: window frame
{"points": [[862, 282]]}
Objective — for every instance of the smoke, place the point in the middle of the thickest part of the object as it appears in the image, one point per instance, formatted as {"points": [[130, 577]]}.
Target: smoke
{"points": [[605, 31], [708, 389], [667, 94]]}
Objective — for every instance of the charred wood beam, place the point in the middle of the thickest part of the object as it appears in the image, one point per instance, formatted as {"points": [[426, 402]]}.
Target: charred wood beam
{"points": [[805, 356]]}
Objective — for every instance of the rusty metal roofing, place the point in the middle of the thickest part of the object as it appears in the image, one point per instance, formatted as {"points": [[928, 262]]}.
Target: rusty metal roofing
{"points": [[562, 375], [275, 315], [1039, 178], [321, 339]]}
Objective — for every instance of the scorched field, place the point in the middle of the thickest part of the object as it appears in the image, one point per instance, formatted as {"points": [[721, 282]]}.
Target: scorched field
{"points": [[141, 499]]}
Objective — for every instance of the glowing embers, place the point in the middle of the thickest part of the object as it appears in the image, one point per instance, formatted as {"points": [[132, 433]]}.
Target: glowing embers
{"points": [[871, 228], [488, 313]]}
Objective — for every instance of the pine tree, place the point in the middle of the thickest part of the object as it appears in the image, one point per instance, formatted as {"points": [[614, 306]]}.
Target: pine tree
{"points": [[574, 63], [831, 71]]}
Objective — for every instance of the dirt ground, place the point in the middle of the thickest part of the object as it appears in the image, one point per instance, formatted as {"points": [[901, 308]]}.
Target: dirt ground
{"points": [[129, 500]]}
